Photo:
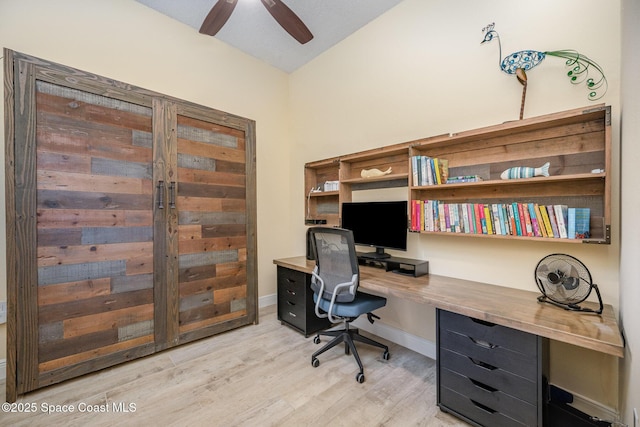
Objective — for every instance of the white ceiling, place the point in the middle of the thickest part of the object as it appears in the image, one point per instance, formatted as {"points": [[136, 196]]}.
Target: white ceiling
{"points": [[252, 29]]}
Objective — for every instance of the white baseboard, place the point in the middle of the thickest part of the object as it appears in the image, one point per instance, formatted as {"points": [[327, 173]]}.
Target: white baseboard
{"points": [[391, 333], [398, 336], [3, 369], [267, 300]]}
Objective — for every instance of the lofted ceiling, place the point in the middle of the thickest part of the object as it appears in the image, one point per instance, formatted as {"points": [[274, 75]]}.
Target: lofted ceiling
{"points": [[253, 30]]}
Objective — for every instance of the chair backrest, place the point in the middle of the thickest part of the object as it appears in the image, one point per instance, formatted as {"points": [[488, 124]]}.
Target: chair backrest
{"points": [[336, 262]]}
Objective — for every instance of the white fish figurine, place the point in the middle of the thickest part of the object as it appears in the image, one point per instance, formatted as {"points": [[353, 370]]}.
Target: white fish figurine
{"points": [[372, 173], [525, 172]]}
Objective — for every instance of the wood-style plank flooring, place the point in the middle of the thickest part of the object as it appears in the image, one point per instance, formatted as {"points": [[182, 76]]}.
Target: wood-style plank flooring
{"points": [[259, 375]]}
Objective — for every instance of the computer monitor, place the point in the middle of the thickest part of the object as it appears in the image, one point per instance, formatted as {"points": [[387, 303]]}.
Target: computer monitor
{"points": [[382, 225]]}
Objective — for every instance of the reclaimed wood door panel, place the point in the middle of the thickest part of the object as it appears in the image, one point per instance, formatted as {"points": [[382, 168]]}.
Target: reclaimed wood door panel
{"points": [[131, 222], [212, 230], [94, 230]]}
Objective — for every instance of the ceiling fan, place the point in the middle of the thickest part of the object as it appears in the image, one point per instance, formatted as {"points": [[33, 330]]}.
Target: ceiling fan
{"points": [[221, 11]]}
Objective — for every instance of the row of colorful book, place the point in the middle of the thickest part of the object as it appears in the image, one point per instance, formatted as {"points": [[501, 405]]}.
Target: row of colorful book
{"points": [[515, 219], [429, 170]]}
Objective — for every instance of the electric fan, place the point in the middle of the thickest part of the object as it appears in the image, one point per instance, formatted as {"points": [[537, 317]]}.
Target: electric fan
{"points": [[565, 282]]}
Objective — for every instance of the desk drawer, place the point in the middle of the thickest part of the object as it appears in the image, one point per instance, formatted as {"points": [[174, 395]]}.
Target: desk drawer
{"points": [[505, 381], [476, 412], [492, 398], [493, 356], [489, 333]]}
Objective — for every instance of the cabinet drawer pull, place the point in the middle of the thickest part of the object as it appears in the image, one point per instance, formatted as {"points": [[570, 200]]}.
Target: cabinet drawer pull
{"points": [[483, 343], [292, 314], [483, 386], [290, 280], [483, 407], [160, 187], [291, 303], [482, 364], [483, 322], [290, 292], [172, 195]]}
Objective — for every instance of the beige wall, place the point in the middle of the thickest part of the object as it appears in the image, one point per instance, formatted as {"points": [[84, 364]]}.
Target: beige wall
{"points": [[127, 41], [630, 206], [419, 70]]}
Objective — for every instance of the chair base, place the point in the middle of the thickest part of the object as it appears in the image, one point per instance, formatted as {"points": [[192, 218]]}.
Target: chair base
{"points": [[348, 336]]}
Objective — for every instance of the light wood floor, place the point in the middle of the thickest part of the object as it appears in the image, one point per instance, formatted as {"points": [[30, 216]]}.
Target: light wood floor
{"points": [[255, 376]]}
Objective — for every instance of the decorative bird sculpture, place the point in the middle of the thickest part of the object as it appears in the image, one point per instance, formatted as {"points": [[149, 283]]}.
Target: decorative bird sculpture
{"points": [[519, 62]]}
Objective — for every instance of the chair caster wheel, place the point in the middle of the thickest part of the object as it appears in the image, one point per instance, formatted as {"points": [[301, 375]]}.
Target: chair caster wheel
{"points": [[386, 355], [315, 362], [360, 377], [316, 339]]}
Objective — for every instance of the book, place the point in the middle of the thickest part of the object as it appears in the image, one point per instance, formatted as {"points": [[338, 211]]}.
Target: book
{"points": [[548, 232], [496, 219], [463, 178], [488, 219], [582, 221], [516, 217], [561, 212], [534, 220], [527, 219], [553, 221]]}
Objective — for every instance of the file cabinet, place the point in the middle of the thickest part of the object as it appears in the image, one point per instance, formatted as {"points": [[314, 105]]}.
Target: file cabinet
{"points": [[490, 375], [295, 302]]}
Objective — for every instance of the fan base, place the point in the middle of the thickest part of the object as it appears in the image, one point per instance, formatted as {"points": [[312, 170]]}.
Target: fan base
{"points": [[573, 307]]}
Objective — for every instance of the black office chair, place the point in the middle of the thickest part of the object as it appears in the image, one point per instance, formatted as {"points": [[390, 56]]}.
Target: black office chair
{"points": [[334, 282]]}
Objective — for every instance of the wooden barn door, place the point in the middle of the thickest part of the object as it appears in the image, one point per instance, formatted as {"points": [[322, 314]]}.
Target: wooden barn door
{"points": [[94, 234], [212, 244], [130, 222]]}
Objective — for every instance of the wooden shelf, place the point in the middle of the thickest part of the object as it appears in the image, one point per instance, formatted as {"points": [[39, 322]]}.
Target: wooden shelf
{"points": [[574, 142]]}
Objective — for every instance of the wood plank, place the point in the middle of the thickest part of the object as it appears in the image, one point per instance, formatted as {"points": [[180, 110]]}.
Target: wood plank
{"points": [[110, 235], [201, 299], [57, 199], [94, 354], [109, 320], [211, 151], [198, 134], [63, 218], [54, 180], [198, 273], [209, 125], [209, 258], [216, 283], [63, 162], [210, 311], [140, 265], [210, 204], [94, 306], [66, 347], [207, 219], [211, 176], [59, 236], [211, 244], [224, 230], [73, 291], [128, 169], [92, 108], [70, 273], [54, 129], [215, 191], [131, 283], [66, 255]]}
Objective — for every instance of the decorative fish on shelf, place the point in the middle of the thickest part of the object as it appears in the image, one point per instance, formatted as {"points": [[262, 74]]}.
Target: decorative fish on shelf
{"points": [[372, 173], [525, 172]]}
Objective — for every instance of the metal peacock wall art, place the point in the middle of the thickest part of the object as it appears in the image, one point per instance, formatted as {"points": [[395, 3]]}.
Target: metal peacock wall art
{"points": [[519, 62]]}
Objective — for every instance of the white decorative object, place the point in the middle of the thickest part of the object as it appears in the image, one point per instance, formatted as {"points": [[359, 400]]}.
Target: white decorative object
{"points": [[372, 173]]}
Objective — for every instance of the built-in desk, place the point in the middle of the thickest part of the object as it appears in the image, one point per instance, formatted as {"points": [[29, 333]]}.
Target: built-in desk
{"points": [[513, 308]]}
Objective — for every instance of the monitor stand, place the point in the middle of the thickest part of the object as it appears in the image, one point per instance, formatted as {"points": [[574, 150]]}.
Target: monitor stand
{"points": [[378, 254]]}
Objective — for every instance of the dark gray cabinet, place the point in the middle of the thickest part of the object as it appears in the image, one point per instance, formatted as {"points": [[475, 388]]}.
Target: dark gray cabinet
{"points": [[490, 375], [295, 302]]}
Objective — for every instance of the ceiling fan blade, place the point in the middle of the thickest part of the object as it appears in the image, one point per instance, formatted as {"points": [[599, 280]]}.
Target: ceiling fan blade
{"points": [[288, 20], [217, 17]]}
